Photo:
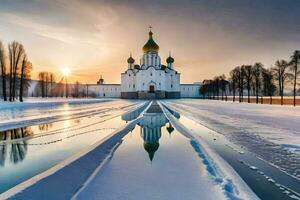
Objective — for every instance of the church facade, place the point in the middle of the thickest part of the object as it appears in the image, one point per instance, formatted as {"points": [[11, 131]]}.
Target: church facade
{"points": [[148, 78]]}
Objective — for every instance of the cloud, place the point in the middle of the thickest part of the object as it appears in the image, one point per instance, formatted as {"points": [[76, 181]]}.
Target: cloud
{"points": [[83, 23]]}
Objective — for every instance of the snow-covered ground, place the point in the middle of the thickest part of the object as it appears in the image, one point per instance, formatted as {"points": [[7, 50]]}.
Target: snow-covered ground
{"points": [[271, 132], [115, 163], [38, 111]]}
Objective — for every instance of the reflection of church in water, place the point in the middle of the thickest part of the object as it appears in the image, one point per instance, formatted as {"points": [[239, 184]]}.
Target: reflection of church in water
{"points": [[153, 123], [151, 130]]}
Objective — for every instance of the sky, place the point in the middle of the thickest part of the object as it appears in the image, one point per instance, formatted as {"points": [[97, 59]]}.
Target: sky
{"points": [[95, 37]]}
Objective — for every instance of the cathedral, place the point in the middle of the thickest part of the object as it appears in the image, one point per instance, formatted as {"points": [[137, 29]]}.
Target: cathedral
{"points": [[150, 79]]}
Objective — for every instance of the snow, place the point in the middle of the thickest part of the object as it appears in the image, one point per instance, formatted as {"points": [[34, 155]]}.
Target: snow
{"points": [[222, 173], [271, 132], [41, 111]]}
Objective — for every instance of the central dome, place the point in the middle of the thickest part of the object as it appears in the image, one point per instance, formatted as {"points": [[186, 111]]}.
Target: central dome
{"points": [[151, 45]]}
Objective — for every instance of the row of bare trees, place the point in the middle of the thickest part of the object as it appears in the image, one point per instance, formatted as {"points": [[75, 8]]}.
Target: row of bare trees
{"points": [[48, 87], [256, 80], [46, 84], [15, 71]]}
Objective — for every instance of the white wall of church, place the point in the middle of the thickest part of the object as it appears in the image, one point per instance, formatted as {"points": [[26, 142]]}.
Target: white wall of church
{"points": [[105, 90], [190, 90]]}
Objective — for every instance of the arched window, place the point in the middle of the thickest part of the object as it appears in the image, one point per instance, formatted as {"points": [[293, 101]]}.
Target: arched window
{"points": [[171, 85]]}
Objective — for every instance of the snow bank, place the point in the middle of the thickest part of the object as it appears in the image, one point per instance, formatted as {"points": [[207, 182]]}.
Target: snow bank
{"points": [[221, 172], [271, 132]]}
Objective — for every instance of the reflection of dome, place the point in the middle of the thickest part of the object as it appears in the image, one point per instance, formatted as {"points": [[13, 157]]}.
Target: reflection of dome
{"points": [[170, 129], [151, 131], [151, 45], [151, 149]]}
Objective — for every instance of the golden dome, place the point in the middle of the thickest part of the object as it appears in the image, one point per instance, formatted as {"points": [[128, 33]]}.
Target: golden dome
{"points": [[151, 45]]}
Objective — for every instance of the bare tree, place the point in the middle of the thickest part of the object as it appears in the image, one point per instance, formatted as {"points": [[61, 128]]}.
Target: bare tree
{"points": [[295, 70], [268, 84], [247, 69], [16, 53], [281, 75], [216, 82], [223, 84], [257, 68], [42, 83], [76, 89], [3, 70], [52, 80], [234, 77], [240, 76], [25, 76]]}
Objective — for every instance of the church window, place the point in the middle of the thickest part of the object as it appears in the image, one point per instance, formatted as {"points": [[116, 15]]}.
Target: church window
{"points": [[151, 74], [129, 85], [133, 85], [171, 86], [143, 83]]}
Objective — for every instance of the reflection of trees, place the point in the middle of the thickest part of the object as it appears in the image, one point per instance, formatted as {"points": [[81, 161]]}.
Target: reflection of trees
{"points": [[44, 127], [2, 154], [170, 128], [16, 150]]}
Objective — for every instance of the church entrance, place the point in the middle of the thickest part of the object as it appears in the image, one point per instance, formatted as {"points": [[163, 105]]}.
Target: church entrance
{"points": [[151, 89]]}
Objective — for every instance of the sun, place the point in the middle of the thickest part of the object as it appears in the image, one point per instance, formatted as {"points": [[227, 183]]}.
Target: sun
{"points": [[65, 71]]}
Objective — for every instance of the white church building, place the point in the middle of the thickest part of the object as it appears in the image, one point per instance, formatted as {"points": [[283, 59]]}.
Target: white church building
{"points": [[148, 78]]}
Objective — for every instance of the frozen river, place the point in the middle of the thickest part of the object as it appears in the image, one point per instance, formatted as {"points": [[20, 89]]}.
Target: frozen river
{"points": [[30, 150], [171, 151]]}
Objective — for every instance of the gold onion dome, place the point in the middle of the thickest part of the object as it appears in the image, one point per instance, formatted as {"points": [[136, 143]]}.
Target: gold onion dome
{"points": [[151, 45], [130, 60]]}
